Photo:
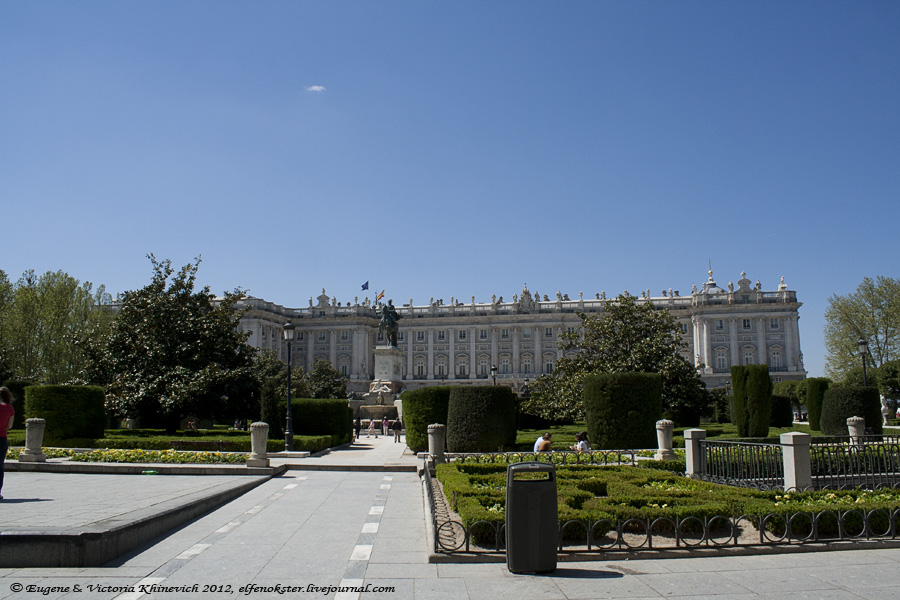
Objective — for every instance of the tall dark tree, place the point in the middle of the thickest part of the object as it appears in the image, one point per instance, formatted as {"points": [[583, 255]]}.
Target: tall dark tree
{"points": [[173, 351], [628, 337]]}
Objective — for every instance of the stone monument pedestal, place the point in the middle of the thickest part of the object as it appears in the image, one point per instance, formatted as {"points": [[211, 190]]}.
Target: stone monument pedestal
{"points": [[388, 365]]}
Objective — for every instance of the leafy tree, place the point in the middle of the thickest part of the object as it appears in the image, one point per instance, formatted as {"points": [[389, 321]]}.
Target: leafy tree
{"points": [[173, 351], [871, 313], [628, 337], [324, 381], [271, 392], [43, 319]]}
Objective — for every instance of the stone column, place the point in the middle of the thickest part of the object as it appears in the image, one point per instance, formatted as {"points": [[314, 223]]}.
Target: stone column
{"points": [[332, 348], [795, 455], [789, 361], [452, 354], [437, 438], [34, 440], [310, 348], [472, 368], [856, 426], [516, 368], [429, 365], [494, 354], [259, 439], [763, 357], [695, 459], [664, 440], [409, 356], [733, 342]]}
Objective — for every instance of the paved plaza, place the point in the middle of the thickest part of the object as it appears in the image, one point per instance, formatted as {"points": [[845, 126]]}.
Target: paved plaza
{"points": [[342, 524]]}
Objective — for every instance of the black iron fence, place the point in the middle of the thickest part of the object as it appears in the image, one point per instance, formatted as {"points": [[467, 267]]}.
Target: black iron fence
{"points": [[842, 462], [746, 464], [594, 457]]}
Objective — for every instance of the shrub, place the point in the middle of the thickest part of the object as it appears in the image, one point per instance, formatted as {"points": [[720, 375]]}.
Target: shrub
{"points": [[841, 403], [320, 416], [481, 419], [421, 408], [622, 409], [815, 394], [752, 405], [17, 389], [739, 400], [71, 411], [782, 411]]}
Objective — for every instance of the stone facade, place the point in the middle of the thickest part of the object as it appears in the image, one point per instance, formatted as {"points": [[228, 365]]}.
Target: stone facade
{"points": [[459, 341]]}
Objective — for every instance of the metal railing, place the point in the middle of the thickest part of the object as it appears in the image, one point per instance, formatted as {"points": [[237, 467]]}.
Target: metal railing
{"points": [[744, 464], [594, 457], [844, 462]]}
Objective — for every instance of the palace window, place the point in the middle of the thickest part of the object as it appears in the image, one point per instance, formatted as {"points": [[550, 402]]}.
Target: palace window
{"points": [[440, 367], [344, 370], [504, 333], [749, 357], [720, 325], [775, 358], [746, 324], [526, 365], [526, 333], [462, 334], [504, 366], [548, 332], [321, 336], [548, 365], [400, 336], [462, 369], [483, 367], [721, 359], [773, 323], [441, 335], [345, 335], [483, 334], [420, 336]]}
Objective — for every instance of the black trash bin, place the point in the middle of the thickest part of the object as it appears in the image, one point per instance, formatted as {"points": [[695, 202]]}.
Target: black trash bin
{"points": [[532, 529]]}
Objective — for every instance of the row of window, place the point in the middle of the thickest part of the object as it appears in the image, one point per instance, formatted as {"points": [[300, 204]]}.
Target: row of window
{"points": [[747, 324], [748, 357]]}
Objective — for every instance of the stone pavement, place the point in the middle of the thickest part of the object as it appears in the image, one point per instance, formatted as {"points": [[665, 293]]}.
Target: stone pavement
{"points": [[312, 529]]}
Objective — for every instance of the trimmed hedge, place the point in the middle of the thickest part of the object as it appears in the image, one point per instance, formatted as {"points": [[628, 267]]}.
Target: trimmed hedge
{"points": [[17, 389], [815, 396], [481, 419], [782, 411], [752, 404], [323, 416], [421, 408], [621, 409], [843, 402], [70, 411]]}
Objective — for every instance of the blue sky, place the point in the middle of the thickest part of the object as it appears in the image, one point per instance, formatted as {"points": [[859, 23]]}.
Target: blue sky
{"points": [[444, 149]]}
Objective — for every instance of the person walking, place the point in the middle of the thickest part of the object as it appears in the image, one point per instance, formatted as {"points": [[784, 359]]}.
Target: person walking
{"points": [[384, 426], [357, 426], [397, 427], [7, 414]]}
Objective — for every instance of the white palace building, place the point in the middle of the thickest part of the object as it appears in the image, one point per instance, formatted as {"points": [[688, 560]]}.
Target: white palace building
{"points": [[459, 342]]}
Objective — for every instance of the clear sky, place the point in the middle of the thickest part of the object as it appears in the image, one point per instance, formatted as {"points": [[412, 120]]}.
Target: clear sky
{"points": [[442, 149]]}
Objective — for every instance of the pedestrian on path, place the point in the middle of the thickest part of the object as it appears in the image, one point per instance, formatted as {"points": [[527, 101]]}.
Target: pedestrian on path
{"points": [[372, 429], [397, 427], [357, 426], [384, 426], [7, 414]]}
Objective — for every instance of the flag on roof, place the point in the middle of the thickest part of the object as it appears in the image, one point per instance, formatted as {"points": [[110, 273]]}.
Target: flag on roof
{"points": [[379, 296], [365, 286]]}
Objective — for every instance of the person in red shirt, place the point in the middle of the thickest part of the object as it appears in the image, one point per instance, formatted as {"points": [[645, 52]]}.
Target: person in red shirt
{"points": [[6, 420]]}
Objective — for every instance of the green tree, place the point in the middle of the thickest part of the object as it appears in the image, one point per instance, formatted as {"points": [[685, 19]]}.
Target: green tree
{"points": [[172, 351], [271, 389], [323, 381], [871, 313], [628, 337], [43, 319]]}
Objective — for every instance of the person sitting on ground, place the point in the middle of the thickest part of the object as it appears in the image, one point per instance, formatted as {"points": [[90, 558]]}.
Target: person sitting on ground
{"points": [[545, 445], [537, 442], [581, 443]]}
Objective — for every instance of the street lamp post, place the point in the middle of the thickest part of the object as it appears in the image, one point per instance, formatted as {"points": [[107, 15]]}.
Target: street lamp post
{"points": [[494, 373], [863, 346], [289, 428]]}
